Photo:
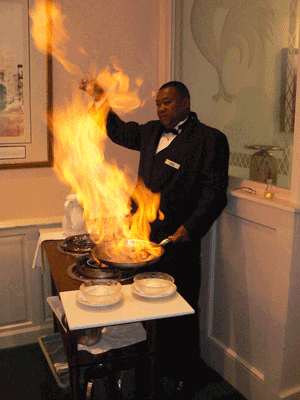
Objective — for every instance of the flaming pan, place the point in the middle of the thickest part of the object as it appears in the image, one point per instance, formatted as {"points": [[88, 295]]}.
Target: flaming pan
{"points": [[125, 256]]}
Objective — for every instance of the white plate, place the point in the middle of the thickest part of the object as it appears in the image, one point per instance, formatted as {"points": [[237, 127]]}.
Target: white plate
{"points": [[172, 290], [82, 300]]}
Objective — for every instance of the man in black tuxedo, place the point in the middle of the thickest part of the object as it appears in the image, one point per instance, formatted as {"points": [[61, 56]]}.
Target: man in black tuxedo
{"points": [[187, 163]]}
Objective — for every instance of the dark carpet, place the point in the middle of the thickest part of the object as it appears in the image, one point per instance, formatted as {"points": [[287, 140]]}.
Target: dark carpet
{"points": [[25, 374]]}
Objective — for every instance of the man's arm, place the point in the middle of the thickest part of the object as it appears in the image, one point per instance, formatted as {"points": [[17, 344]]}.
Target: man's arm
{"points": [[214, 180]]}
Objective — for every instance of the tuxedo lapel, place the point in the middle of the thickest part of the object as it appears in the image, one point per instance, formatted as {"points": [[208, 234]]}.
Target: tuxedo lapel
{"points": [[160, 168], [168, 161], [148, 160]]}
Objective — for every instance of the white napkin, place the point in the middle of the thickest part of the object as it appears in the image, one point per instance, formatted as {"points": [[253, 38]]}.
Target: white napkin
{"points": [[117, 336], [46, 234], [113, 337]]}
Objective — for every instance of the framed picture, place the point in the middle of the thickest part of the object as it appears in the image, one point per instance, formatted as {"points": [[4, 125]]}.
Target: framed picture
{"points": [[25, 90]]}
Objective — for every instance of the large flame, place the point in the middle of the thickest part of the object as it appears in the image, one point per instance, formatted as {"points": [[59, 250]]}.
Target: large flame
{"points": [[79, 143], [49, 33]]}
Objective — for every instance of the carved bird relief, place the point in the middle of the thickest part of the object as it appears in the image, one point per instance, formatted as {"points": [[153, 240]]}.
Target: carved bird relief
{"points": [[246, 20]]}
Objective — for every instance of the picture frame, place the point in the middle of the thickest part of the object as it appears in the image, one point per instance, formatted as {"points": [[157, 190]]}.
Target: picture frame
{"points": [[26, 90]]}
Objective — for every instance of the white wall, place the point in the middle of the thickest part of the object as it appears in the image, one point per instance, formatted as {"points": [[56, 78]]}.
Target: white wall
{"points": [[240, 98], [128, 30]]}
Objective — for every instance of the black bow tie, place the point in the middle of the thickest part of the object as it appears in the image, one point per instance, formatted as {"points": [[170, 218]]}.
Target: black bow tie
{"points": [[185, 124], [180, 127], [172, 130]]}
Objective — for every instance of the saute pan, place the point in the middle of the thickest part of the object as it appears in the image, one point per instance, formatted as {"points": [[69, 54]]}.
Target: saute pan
{"points": [[106, 255]]}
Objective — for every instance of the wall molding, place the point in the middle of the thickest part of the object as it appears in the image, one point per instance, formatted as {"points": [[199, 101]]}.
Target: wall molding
{"points": [[165, 41], [19, 223], [292, 394], [229, 352]]}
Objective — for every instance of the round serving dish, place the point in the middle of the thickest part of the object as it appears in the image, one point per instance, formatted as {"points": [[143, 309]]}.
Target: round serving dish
{"points": [[153, 283], [100, 291]]}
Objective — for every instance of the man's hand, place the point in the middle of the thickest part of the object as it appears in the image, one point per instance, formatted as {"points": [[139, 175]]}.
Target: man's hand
{"points": [[91, 87], [181, 235]]}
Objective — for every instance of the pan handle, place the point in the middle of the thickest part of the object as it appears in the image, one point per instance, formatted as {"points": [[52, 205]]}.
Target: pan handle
{"points": [[165, 241]]}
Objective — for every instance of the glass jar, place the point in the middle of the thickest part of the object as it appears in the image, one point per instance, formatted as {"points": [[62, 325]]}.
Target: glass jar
{"points": [[269, 192]]}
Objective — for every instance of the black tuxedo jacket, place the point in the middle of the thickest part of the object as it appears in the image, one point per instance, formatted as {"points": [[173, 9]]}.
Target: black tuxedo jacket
{"points": [[191, 174]]}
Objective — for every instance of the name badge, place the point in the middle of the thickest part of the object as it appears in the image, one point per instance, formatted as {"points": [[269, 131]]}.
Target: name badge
{"points": [[172, 163]]}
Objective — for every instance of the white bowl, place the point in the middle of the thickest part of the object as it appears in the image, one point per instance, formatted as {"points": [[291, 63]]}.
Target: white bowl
{"points": [[153, 283], [100, 291]]}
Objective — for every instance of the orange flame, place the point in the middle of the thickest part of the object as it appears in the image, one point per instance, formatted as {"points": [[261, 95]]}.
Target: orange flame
{"points": [[102, 188], [45, 14]]}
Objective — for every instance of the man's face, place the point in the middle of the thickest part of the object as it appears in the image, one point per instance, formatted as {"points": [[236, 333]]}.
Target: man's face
{"points": [[171, 109]]}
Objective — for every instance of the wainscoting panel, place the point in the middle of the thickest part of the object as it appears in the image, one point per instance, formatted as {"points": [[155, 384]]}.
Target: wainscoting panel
{"points": [[24, 312], [243, 279], [13, 284], [250, 299]]}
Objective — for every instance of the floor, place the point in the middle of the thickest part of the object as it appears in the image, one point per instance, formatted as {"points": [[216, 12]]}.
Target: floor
{"points": [[25, 374]]}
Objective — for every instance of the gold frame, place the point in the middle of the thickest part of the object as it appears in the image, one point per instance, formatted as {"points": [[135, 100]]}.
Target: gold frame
{"points": [[48, 162]]}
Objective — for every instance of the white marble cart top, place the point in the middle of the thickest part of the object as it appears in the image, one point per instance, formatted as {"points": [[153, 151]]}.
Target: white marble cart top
{"points": [[131, 308]]}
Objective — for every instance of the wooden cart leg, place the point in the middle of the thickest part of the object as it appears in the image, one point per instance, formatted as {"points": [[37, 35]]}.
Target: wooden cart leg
{"points": [[74, 374], [71, 350]]}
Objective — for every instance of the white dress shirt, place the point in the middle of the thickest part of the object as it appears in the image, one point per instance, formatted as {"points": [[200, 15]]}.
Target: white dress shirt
{"points": [[167, 138]]}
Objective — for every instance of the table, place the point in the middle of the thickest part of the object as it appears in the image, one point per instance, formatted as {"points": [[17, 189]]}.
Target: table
{"points": [[132, 309]]}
